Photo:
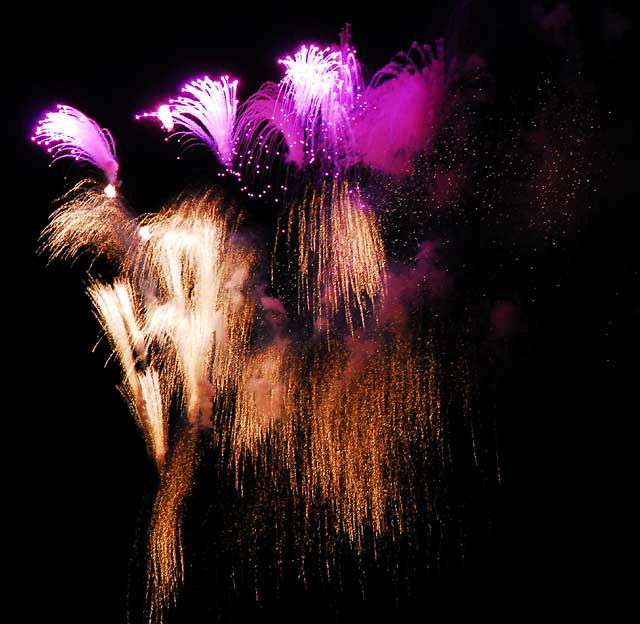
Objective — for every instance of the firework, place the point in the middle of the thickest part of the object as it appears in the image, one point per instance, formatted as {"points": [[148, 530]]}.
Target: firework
{"points": [[68, 133], [207, 113], [321, 88], [89, 221], [341, 259], [333, 437], [307, 116]]}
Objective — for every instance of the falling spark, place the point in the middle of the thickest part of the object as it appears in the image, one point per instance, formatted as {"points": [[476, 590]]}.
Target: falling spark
{"points": [[263, 397], [68, 133], [373, 407], [400, 110], [341, 258], [165, 551], [88, 221]]}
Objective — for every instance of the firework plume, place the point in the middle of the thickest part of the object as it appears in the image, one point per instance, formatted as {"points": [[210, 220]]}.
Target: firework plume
{"points": [[329, 429], [68, 133], [207, 114]]}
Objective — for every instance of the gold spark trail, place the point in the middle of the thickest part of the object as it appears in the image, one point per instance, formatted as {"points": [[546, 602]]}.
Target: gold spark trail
{"points": [[331, 437], [340, 253], [165, 571], [88, 221]]}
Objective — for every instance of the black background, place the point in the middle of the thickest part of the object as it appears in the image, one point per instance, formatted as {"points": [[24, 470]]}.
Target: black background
{"points": [[76, 464]]}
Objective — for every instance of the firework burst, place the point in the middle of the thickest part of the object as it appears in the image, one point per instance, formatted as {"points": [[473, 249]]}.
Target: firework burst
{"points": [[207, 115], [333, 436], [307, 117], [68, 133]]}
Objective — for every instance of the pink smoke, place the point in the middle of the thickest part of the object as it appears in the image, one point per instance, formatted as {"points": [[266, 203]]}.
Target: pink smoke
{"points": [[401, 106], [503, 319], [405, 285]]}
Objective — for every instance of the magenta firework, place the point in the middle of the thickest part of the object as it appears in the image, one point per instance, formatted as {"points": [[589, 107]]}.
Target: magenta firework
{"points": [[68, 133], [320, 118]]}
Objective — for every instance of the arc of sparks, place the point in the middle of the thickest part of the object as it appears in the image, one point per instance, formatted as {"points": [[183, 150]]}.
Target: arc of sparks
{"points": [[207, 115], [69, 133]]}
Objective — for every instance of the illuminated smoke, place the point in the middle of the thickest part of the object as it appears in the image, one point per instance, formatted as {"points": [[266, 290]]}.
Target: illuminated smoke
{"points": [[68, 133], [401, 106]]}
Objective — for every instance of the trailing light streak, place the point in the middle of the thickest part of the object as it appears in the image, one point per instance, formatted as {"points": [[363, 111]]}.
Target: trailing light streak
{"points": [[165, 550], [119, 314]]}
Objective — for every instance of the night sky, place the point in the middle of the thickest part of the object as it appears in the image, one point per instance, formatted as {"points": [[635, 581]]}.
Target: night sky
{"points": [[537, 233]]}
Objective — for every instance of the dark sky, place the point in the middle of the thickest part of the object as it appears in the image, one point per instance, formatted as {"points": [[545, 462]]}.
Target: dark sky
{"points": [[81, 478]]}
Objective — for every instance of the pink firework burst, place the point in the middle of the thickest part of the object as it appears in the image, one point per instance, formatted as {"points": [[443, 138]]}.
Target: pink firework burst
{"points": [[68, 133], [207, 115], [309, 112]]}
